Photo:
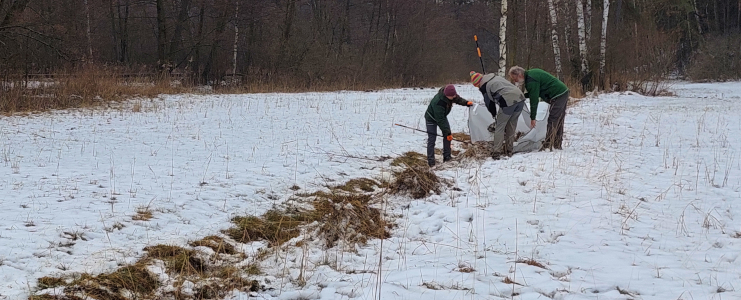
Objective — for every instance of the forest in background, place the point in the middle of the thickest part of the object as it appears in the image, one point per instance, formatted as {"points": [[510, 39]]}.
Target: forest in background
{"points": [[360, 44]]}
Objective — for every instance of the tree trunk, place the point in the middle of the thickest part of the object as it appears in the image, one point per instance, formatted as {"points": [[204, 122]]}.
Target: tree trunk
{"points": [[161, 35], [113, 30], [220, 28], [89, 39], [588, 19], [503, 40], [236, 38], [603, 43], [697, 16], [582, 44], [179, 26], [554, 39]]}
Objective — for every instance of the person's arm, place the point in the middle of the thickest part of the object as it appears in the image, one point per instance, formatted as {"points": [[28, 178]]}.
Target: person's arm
{"points": [[460, 101], [533, 92]]}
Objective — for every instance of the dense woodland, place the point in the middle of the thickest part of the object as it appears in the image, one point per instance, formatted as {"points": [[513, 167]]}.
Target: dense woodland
{"points": [[373, 43]]}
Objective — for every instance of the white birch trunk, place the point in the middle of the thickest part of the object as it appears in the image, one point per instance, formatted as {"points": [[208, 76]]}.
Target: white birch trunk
{"points": [[503, 40], [582, 38], [236, 40], [565, 11], [588, 19], [89, 39], [697, 15], [554, 39], [603, 41]]}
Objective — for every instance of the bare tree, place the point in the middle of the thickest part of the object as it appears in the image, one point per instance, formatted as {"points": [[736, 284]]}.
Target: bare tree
{"points": [[503, 40], [588, 19], [87, 31], [603, 43], [554, 39], [236, 37], [161, 34], [582, 41]]}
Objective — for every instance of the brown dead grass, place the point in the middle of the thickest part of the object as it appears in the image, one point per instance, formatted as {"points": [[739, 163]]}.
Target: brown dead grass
{"points": [[177, 259], [49, 282], [358, 185], [410, 159], [348, 218], [215, 243], [532, 262], [416, 181], [142, 214], [274, 226], [478, 151], [85, 87]]}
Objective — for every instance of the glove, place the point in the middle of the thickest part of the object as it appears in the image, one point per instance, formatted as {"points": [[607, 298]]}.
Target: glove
{"points": [[469, 103], [449, 138], [492, 127]]}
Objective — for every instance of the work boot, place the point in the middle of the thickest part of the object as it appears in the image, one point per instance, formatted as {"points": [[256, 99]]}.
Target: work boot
{"points": [[447, 159], [496, 155]]}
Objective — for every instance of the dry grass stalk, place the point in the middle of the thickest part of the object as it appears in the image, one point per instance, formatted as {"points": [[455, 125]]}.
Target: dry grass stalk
{"points": [[142, 214], [215, 243], [532, 262], [417, 181]]}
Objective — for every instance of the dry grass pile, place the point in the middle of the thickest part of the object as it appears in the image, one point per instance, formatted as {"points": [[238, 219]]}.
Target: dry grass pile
{"points": [[348, 218], [130, 282], [211, 278], [478, 151], [215, 243], [410, 159], [275, 227], [418, 182]]}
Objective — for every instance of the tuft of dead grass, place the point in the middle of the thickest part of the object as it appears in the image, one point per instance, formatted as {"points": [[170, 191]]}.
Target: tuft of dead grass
{"points": [[49, 282], [358, 185], [348, 217], [274, 226], [215, 243], [417, 181], [142, 214], [532, 262], [478, 151], [410, 159], [177, 259]]}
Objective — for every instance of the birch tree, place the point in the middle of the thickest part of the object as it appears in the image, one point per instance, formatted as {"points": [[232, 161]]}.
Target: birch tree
{"points": [[582, 38], [603, 42], [588, 19], [236, 39], [503, 40], [554, 39]]}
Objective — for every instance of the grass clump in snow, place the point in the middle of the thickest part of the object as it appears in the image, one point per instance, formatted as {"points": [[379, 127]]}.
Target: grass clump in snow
{"points": [[532, 262], [177, 259], [142, 214], [358, 185], [348, 218], [130, 282], [410, 159], [50, 282], [418, 182], [215, 243], [274, 226]]}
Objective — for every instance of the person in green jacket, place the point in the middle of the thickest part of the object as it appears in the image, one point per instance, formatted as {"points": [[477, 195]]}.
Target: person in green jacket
{"points": [[437, 116], [541, 84]]}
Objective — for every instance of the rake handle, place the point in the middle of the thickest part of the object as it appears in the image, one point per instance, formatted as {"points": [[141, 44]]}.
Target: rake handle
{"points": [[412, 128]]}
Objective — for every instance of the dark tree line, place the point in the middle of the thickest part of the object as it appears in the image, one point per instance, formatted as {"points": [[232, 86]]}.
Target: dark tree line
{"points": [[361, 43]]}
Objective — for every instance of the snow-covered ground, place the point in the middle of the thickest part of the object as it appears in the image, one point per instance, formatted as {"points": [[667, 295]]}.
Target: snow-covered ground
{"points": [[638, 205]]}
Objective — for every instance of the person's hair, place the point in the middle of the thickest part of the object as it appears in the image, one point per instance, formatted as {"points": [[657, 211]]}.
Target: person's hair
{"points": [[516, 70]]}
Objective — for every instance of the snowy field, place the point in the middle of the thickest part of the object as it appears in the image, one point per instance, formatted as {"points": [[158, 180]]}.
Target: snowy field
{"points": [[644, 202]]}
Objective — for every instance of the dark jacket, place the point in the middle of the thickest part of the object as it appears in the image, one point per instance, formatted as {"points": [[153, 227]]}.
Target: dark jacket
{"points": [[439, 109]]}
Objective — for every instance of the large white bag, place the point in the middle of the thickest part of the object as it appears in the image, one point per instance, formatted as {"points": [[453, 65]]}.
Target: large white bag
{"points": [[479, 120]]}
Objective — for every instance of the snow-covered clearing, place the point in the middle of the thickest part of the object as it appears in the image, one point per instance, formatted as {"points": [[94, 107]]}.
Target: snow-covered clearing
{"points": [[642, 203]]}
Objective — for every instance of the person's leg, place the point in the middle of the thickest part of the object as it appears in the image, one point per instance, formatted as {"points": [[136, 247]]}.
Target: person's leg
{"points": [[558, 112], [510, 131], [431, 136], [446, 150], [498, 134]]}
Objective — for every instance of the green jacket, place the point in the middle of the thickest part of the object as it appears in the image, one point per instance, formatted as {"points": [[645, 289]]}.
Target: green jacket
{"points": [[541, 84], [439, 109]]}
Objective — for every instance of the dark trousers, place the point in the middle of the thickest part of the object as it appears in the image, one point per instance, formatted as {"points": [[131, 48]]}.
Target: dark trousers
{"points": [[431, 137], [557, 114]]}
